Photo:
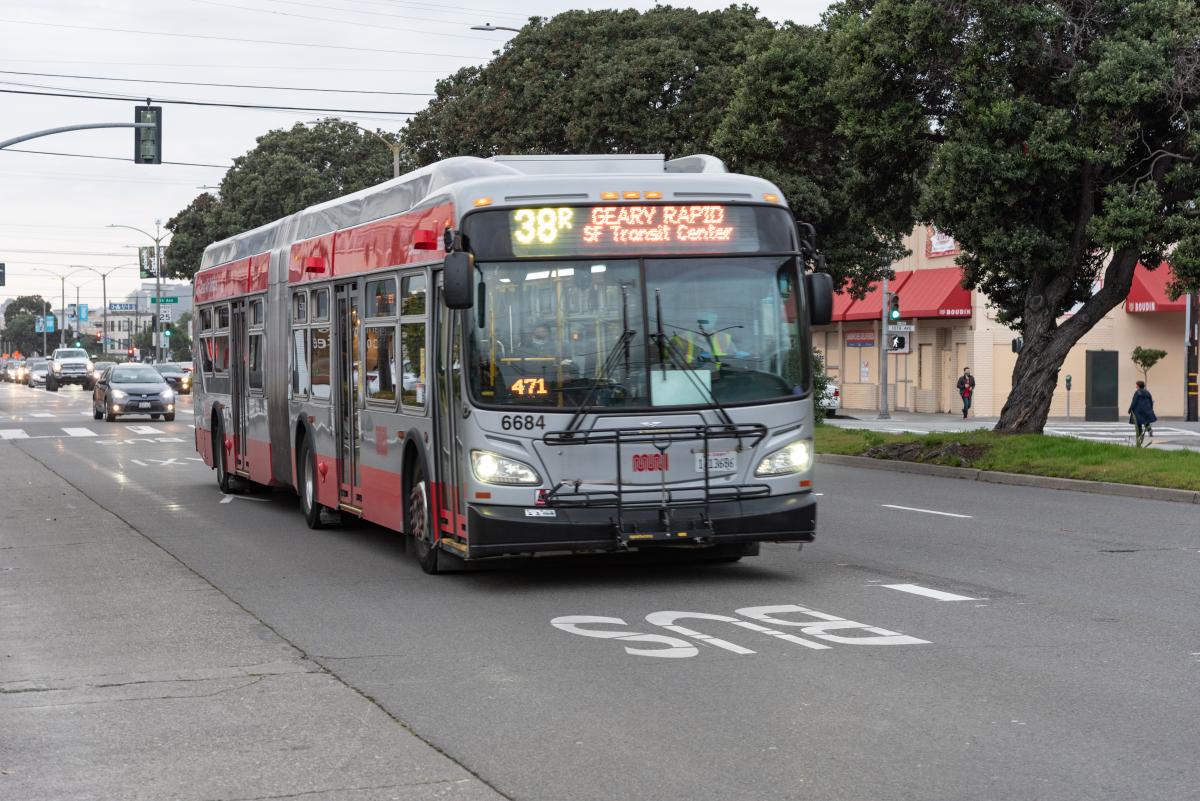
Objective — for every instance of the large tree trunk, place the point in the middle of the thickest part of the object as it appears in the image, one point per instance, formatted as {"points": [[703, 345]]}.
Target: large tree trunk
{"points": [[1047, 343]]}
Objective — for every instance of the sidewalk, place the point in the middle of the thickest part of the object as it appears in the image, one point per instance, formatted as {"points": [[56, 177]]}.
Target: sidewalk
{"points": [[1169, 433], [124, 675]]}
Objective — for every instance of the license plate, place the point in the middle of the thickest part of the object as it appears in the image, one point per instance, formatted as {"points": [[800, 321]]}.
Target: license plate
{"points": [[718, 462], [143, 405]]}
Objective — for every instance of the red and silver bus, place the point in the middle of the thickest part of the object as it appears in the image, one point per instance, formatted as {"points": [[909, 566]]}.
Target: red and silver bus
{"points": [[523, 355]]}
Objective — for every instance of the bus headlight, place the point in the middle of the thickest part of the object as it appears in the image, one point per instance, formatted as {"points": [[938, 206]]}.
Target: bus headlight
{"points": [[795, 457], [492, 468]]}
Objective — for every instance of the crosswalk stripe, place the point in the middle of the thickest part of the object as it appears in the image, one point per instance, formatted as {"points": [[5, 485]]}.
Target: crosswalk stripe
{"points": [[41, 414], [79, 432], [13, 433]]}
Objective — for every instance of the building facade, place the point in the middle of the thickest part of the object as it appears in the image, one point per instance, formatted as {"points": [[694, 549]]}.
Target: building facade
{"points": [[954, 328]]}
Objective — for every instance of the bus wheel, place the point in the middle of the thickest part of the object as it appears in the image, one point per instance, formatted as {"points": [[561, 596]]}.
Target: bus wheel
{"points": [[224, 480], [308, 487], [420, 523]]}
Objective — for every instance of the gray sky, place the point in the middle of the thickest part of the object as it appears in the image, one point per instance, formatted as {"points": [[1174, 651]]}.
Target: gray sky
{"points": [[54, 209]]}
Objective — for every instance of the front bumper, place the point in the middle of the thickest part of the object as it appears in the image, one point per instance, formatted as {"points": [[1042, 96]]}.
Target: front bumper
{"points": [[499, 530], [137, 406], [73, 378]]}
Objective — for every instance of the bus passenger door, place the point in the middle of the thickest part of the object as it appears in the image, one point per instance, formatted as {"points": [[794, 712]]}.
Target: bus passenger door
{"points": [[238, 359], [448, 501], [349, 392]]}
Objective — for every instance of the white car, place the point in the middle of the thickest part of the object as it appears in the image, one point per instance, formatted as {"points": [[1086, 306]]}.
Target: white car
{"points": [[831, 399]]}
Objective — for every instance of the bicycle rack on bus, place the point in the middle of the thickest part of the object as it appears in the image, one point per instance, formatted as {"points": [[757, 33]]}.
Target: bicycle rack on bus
{"points": [[567, 493]]}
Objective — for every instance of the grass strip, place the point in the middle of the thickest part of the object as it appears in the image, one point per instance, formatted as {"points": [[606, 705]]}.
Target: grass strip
{"points": [[1030, 454]]}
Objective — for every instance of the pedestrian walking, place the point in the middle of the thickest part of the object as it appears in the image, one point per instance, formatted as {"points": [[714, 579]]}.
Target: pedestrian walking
{"points": [[966, 388], [1141, 412]]}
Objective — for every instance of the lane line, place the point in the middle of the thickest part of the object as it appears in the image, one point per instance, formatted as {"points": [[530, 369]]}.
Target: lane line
{"points": [[925, 511], [41, 414], [80, 432], [939, 595], [13, 433], [144, 429]]}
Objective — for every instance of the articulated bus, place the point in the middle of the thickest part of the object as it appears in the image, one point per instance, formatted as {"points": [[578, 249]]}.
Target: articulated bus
{"points": [[524, 355]]}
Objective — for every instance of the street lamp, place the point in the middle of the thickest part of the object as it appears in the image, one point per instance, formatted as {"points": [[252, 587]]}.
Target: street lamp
{"points": [[392, 146], [487, 26], [62, 329], [104, 301], [157, 237]]}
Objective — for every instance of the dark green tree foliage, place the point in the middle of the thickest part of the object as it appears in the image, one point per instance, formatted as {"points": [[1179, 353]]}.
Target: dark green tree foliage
{"points": [[593, 82], [1059, 143], [20, 321], [783, 125], [25, 304], [287, 171]]}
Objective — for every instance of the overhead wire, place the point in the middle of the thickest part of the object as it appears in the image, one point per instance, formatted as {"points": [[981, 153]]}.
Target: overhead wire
{"points": [[108, 158], [431, 6], [80, 95], [210, 37], [211, 66], [216, 85], [359, 23]]}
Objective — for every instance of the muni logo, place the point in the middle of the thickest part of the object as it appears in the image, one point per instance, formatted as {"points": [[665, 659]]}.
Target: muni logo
{"points": [[651, 463]]}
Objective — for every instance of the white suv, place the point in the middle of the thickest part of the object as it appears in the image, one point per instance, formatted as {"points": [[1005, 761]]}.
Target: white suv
{"points": [[70, 366]]}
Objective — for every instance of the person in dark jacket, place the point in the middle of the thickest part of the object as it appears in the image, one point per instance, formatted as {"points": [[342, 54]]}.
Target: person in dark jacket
{"points": [[1141, 412], [966, 388]]}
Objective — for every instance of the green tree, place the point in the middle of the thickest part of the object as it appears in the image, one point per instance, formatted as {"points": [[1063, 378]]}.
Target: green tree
{"points": [[1053, 140], [288, 170], [20, 325], [1145, 358], [592, 82], [784, 124], [25, 304]]}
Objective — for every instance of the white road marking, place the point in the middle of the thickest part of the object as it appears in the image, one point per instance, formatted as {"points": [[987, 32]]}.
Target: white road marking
{"points": [[144, 429], [79, 432], [226, 499], [924, 511], [938, 595], [230, 499], [41, 414], [13, 433]]}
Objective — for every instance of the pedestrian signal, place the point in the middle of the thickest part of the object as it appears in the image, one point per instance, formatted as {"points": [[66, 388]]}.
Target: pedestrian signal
{"points": [[898, 342]]}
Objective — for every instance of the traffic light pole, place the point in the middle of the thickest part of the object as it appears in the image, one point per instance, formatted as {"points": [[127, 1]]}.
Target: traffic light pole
{"points": [[51, 131], [884, 341]]}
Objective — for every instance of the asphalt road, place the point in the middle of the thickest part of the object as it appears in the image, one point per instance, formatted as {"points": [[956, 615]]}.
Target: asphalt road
{"points": [[942, 640]]}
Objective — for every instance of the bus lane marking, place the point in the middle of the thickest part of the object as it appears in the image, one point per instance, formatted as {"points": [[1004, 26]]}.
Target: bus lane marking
{"points": [[13, 433], [925, 511], [938, 595], [79, 432], [143, 430], [815, 625]]}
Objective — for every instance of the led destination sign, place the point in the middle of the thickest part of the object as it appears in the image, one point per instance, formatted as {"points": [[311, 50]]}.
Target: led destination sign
{"points": [[557, 231]]}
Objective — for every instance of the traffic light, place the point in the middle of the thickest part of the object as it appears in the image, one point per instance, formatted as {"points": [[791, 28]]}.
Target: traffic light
{"points": [[167, 331], [894, 311], [130, 353], [898, 342], [147, 142], [1, 273], [1068, 383], [77, 343]]}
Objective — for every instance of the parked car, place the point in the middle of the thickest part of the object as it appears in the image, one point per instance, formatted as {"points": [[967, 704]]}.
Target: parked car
{"points": [[35, 372], [180, 381], [831, 399], [132, 389], [70, 366]]}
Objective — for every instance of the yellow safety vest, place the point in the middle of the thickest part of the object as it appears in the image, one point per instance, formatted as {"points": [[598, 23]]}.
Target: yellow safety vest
{"points": [[722, 345]]}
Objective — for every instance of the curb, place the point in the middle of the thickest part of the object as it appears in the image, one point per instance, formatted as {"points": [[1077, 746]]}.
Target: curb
{"points": [[1014, 479]]}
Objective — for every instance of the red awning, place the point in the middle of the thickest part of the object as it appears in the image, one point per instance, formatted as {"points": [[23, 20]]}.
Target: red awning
{"points": [[935, 293], [1149, 292], [841, 304], [871, 307]]}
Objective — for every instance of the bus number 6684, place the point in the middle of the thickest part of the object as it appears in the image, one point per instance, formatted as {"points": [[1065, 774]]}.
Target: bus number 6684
{"points": [[522, 422]]}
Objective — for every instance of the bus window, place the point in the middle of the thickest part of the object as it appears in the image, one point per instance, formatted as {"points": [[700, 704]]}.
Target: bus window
{"points": [[300, 307], [299, 351], [256, 313], [220, 352], [381, 363], [222, 318], [412, 380], [206, 355], [255, 362], [381, 297], [414, 295], [205, 320], [319, 362], [320, 305]]}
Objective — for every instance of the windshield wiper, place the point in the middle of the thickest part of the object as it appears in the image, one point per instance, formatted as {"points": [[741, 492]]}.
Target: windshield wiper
{"points": [[610, 361], [668, 348]]}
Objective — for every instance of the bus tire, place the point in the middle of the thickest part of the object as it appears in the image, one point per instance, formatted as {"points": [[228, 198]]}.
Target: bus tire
{"points": [[420, 524], [307, 469], [224, 479]]}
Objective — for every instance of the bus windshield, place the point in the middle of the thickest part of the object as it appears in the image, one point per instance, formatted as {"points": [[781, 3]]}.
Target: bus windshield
{"points": [[638, 333]]}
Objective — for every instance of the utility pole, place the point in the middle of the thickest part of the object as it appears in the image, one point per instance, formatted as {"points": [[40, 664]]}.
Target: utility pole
{"points": [[45, 314], [1191, 368], [883, 352], [157, 237]]}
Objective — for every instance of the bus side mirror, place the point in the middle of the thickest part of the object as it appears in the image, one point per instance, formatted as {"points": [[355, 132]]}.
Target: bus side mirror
{"points": [[820, 297], [459, 281]]}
